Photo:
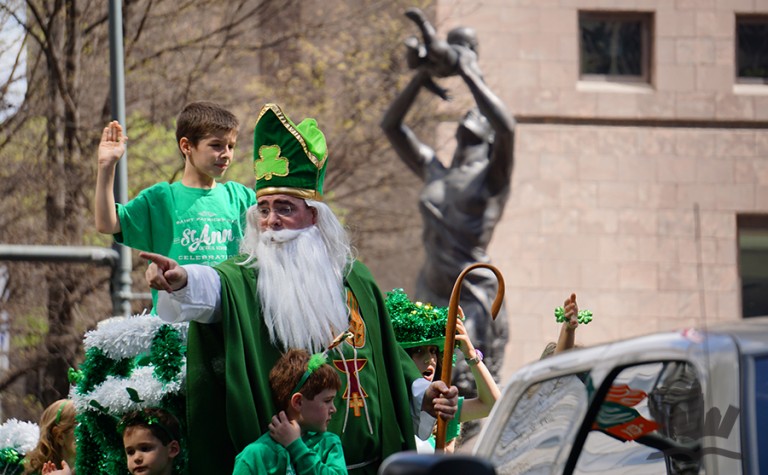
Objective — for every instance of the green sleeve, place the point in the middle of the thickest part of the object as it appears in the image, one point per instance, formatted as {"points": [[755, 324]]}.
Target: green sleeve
{"points": [[326, 457], [258, 459], [244, 467], [146, 220]]}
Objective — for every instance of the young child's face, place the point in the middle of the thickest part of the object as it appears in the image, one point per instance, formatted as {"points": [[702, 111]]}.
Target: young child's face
{"points": [[316, 413], [425, 357], [146, 453], [213, 155]]}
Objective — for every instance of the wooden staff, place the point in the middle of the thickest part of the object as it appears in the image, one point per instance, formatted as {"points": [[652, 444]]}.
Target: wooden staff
{"points": [[450, 334]]}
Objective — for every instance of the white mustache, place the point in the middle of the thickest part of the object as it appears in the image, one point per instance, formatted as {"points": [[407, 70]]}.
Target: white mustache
{"points": [[280, 236]]}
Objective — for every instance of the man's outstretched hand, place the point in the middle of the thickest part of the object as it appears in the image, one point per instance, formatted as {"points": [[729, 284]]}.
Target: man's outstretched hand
{"points": [[441, 401], [164, 273]]}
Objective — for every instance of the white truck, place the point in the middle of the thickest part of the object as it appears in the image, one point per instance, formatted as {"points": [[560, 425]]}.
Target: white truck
{"points": [[687, 402]]}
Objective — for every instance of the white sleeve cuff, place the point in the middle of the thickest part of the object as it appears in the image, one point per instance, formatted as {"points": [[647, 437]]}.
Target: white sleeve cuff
{"points": [[198, 301], [423, 422]]}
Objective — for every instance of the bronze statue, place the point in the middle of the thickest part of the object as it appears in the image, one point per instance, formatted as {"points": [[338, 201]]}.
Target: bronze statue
{"points": [[460, 204]]}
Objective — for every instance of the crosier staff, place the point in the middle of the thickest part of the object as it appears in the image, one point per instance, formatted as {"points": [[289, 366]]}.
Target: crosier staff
{"points": [[450, 333]]}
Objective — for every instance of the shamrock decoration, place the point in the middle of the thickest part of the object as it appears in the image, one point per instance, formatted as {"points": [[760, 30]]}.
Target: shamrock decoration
{"points": [[584, 317]]}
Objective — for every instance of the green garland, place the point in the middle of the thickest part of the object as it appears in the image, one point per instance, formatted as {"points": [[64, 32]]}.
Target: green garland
{"points": [[167, 348]]}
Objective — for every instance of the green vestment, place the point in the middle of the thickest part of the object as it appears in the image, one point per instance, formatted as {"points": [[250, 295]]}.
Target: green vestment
{"points": [[315, 453], [229, 403]]}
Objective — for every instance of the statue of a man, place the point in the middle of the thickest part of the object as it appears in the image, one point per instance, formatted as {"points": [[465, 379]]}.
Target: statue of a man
{"points": [[460, 204]]}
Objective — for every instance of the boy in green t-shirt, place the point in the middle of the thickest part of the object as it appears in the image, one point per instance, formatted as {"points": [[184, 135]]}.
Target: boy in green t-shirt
{"points": [[298, 441], [195, 220]]}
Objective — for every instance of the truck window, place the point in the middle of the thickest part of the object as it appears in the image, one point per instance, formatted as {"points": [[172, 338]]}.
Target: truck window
{"points": [[650, 421], [537, 428]]}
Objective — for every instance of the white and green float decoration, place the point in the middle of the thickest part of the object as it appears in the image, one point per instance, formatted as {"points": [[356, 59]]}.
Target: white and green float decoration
{"points": [[17, 439], [130, 364]]}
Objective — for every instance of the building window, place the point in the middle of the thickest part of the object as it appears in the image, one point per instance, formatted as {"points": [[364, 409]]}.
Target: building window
{"points": [[752, 49], [615, 46], [753, 264]]}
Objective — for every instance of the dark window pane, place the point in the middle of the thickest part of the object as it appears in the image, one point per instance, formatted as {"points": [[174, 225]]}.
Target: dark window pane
{"points": [[753, 264], [611, 46], [752, 44]]}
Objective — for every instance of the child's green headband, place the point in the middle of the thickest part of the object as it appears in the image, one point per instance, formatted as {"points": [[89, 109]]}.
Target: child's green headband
{"points": [[58, 413], [139, 418], [319, 359]]}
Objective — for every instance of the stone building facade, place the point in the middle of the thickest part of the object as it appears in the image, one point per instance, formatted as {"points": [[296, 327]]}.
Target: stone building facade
{"points": [[631, 193]]}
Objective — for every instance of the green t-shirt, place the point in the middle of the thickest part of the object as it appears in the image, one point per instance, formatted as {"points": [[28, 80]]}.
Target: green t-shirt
{"points": [[315, 453], [189, 225]]}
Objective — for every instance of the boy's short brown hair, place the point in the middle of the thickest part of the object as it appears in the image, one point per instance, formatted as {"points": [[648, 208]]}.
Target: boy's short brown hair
{"points": [[200, 119], [161, 423], [287, 372]]}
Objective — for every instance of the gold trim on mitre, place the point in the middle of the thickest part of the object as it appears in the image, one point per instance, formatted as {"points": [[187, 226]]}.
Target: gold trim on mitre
{"points": [[302, 193], [317, 161]]}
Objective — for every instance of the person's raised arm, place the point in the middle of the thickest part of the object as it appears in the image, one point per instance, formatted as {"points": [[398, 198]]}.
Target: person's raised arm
{"points": [[409, 148], [111, 148], [487, 390], [567, 338], [492, 107]]}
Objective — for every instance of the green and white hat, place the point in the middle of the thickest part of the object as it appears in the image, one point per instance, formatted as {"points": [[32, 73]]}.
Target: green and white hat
{"points": [[416, 323], [288, 159]]}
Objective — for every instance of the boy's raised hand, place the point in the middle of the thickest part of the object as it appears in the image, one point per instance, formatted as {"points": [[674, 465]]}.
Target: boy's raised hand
{"points": [[284, 430], [112, 145]]}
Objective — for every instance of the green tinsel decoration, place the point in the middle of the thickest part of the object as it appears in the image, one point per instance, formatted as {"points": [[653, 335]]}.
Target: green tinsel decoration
{"points": [[97, 366], [584, 317], [99, 445], [166, 353], [416, 323], [11, 462]]}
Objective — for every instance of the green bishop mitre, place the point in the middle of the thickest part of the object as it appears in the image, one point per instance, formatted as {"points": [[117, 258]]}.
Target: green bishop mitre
{"points": [[288, 159]]}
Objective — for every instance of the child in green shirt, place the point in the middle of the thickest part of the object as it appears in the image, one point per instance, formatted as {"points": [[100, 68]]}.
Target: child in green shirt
{"points": [[196, 220], [303, 388]]}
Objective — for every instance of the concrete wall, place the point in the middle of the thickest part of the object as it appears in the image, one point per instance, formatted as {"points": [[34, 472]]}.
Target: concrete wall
{"points": [[607, 175]]}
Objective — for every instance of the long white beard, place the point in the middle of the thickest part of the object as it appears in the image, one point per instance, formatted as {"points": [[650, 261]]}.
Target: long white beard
{"points": [[301, 289]]}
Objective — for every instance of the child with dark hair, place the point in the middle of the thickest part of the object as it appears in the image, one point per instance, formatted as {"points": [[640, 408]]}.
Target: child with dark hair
{"points": [[303, 388], [56, 446], [151, 440]]}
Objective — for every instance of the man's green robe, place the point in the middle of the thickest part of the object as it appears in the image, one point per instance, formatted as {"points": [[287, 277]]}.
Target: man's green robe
{"points": [[229, 403]]}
